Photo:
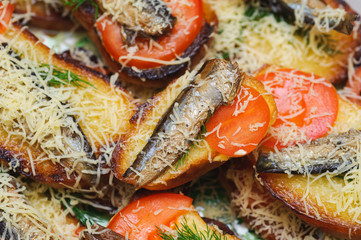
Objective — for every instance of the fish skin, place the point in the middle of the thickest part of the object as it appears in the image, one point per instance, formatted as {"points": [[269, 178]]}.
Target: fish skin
{"points": [[77, 142], [171, 138], [326, 154], [287, 8], [153, 19]]}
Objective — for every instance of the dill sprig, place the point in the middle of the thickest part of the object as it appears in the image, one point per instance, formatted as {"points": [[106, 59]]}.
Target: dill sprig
{"points": [[186, 232], [63, 77], [77, 3]]}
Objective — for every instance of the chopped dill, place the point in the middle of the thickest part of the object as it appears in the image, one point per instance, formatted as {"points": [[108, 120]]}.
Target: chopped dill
{"points": [[86, 214], [63, 77], [185, 232], [225, 56], [77, 3]]}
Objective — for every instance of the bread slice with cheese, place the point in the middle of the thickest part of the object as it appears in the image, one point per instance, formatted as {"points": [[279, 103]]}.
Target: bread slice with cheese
{"points": [[51, 109], [280, 206], [200, 159], [327, 201]]}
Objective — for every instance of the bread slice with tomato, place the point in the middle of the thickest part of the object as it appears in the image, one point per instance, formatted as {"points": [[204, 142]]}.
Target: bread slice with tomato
{"points": [[151, 61], [326, 200], [201, 156], [50, 103]]}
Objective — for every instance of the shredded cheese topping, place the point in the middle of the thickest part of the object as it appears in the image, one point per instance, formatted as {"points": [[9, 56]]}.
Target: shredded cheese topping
{"points": [[240, 37], [267, 217], [76, 127], [36, 113]]}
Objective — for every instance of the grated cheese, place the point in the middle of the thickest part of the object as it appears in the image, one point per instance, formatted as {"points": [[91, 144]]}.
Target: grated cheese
{"points": [[29, 213], [55, 122], [262, 212]]}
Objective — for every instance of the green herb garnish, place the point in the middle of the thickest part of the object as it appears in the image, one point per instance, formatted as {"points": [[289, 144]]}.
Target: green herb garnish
{"points": [[225, 56], [87, 214], [185, 232], [63, 77], [91, 215], [77, 3]]}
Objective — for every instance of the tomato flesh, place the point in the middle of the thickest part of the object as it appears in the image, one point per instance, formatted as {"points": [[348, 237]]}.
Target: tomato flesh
{"points": [[307, 106], [236, 130], [141, 218], [5, 15], [190, 19]]}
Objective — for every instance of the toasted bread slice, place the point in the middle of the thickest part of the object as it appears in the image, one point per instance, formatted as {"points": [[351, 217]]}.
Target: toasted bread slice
{"points": [[327, 201], [200, 159], [100, 109]]}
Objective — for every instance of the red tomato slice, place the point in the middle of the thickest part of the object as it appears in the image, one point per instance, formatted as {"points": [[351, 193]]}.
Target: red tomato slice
{"points": [[189, 14], [140, 218], [5, 15], [236, 130], [307, 106]]}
